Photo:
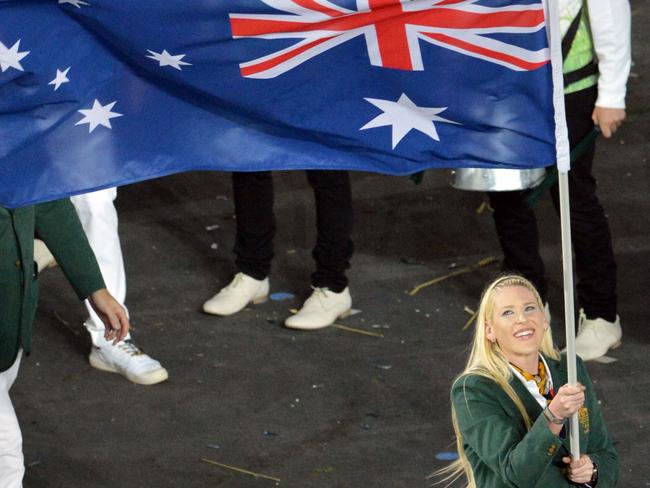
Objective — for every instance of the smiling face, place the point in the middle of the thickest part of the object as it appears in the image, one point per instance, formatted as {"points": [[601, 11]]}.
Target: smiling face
{"points": [[517, 324]]}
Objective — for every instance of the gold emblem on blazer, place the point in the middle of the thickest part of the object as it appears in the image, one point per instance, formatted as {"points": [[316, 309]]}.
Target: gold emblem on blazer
{"points": [[583, 419]]}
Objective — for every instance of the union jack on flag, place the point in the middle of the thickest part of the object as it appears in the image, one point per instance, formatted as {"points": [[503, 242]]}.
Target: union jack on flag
{"points": [[392, 30], [153, 88]]}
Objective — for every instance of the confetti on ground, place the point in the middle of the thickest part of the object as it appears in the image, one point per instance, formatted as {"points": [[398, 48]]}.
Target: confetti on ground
{"points": [[65, 323], [315, 386], [385, 367], [241, 470], [472, 317], [281, 295], [467, 269], [354, 311], [212, 227], [447, 456], [357, 331], [268, 433], [214, 246], [605, 360], [214, 446], [483, 207]]}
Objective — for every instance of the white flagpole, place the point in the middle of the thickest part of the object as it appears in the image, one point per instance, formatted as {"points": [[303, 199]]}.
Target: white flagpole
{"points": [[569, 316], [563, 166]]}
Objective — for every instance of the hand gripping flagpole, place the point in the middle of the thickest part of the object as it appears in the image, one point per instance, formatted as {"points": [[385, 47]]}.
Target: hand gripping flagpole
{"points": [[563, 167]]}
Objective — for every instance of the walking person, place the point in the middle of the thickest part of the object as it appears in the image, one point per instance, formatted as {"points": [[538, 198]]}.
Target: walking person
{"points": [[59, 227], [596, 48]]}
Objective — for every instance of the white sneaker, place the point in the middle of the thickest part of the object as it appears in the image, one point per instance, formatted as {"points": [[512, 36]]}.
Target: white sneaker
{"points": [[241, 291], [321, 309], [596, 337], [128, 360], [43, 256]]}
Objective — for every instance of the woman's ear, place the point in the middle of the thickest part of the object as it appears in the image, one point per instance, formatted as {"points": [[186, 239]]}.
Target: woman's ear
{"points": [[546, 323], [489, 333]]}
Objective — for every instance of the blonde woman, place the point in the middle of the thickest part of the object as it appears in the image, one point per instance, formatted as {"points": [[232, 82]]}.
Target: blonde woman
{"points": [[511, 403]]}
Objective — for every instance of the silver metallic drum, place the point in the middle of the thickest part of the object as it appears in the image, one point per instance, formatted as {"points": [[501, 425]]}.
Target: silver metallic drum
{"points": [[496, 179]]}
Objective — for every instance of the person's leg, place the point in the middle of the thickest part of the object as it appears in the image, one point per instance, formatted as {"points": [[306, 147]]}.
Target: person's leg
{"points": [[332, 252], [516, 228], [334, 247], [12, 465], [590, 234], [599, 325], [98, 217], [253, 195]]}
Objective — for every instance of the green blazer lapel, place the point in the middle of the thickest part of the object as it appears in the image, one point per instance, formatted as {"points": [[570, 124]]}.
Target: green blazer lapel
{"points": [[558, 371], [531, 405]]}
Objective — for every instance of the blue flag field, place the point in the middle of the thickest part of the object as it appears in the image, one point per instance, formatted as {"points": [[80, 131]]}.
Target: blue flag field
{"points": [[100, 93]]}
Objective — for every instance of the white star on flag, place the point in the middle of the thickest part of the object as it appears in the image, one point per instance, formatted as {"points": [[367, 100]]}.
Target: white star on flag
{"points": [[98, 115], [403, 115], [76, 3], [10, 58], [166, 59], [61, 78]]}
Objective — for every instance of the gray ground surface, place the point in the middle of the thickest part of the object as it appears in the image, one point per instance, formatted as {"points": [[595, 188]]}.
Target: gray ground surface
{"points": [[348, 410]]}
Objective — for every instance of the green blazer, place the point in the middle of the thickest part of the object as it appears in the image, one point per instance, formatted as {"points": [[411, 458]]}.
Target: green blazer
{"points": [[504, 454], [59, 227]]}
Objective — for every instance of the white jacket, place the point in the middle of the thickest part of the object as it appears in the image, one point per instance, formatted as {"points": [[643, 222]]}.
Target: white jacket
{"points": [[610, 28]]}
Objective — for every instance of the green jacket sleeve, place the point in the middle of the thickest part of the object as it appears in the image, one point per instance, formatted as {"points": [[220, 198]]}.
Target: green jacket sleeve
{"points": [[494, 433], [600, 447], [59, 227]]}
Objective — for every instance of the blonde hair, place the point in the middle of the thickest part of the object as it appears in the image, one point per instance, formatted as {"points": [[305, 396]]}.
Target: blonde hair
{"points": [[486, 359]]}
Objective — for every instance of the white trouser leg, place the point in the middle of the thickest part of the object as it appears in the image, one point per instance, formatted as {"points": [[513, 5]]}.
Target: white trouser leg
{"points": [[12, 464], [98, 217]]}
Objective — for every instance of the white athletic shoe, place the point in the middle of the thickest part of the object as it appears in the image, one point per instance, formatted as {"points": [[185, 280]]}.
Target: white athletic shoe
{"points": [[128, 360], [241, 291], [42, 255], [597, 336], [321, 309]]}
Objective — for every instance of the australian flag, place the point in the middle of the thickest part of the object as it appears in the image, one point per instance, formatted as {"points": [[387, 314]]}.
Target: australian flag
{"points": [[99, 93]]}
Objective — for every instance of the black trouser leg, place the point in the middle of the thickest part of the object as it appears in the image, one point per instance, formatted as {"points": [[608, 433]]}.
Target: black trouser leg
{"points": [[590, 234], [334, 245], [253, 193], [516, 228]]}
